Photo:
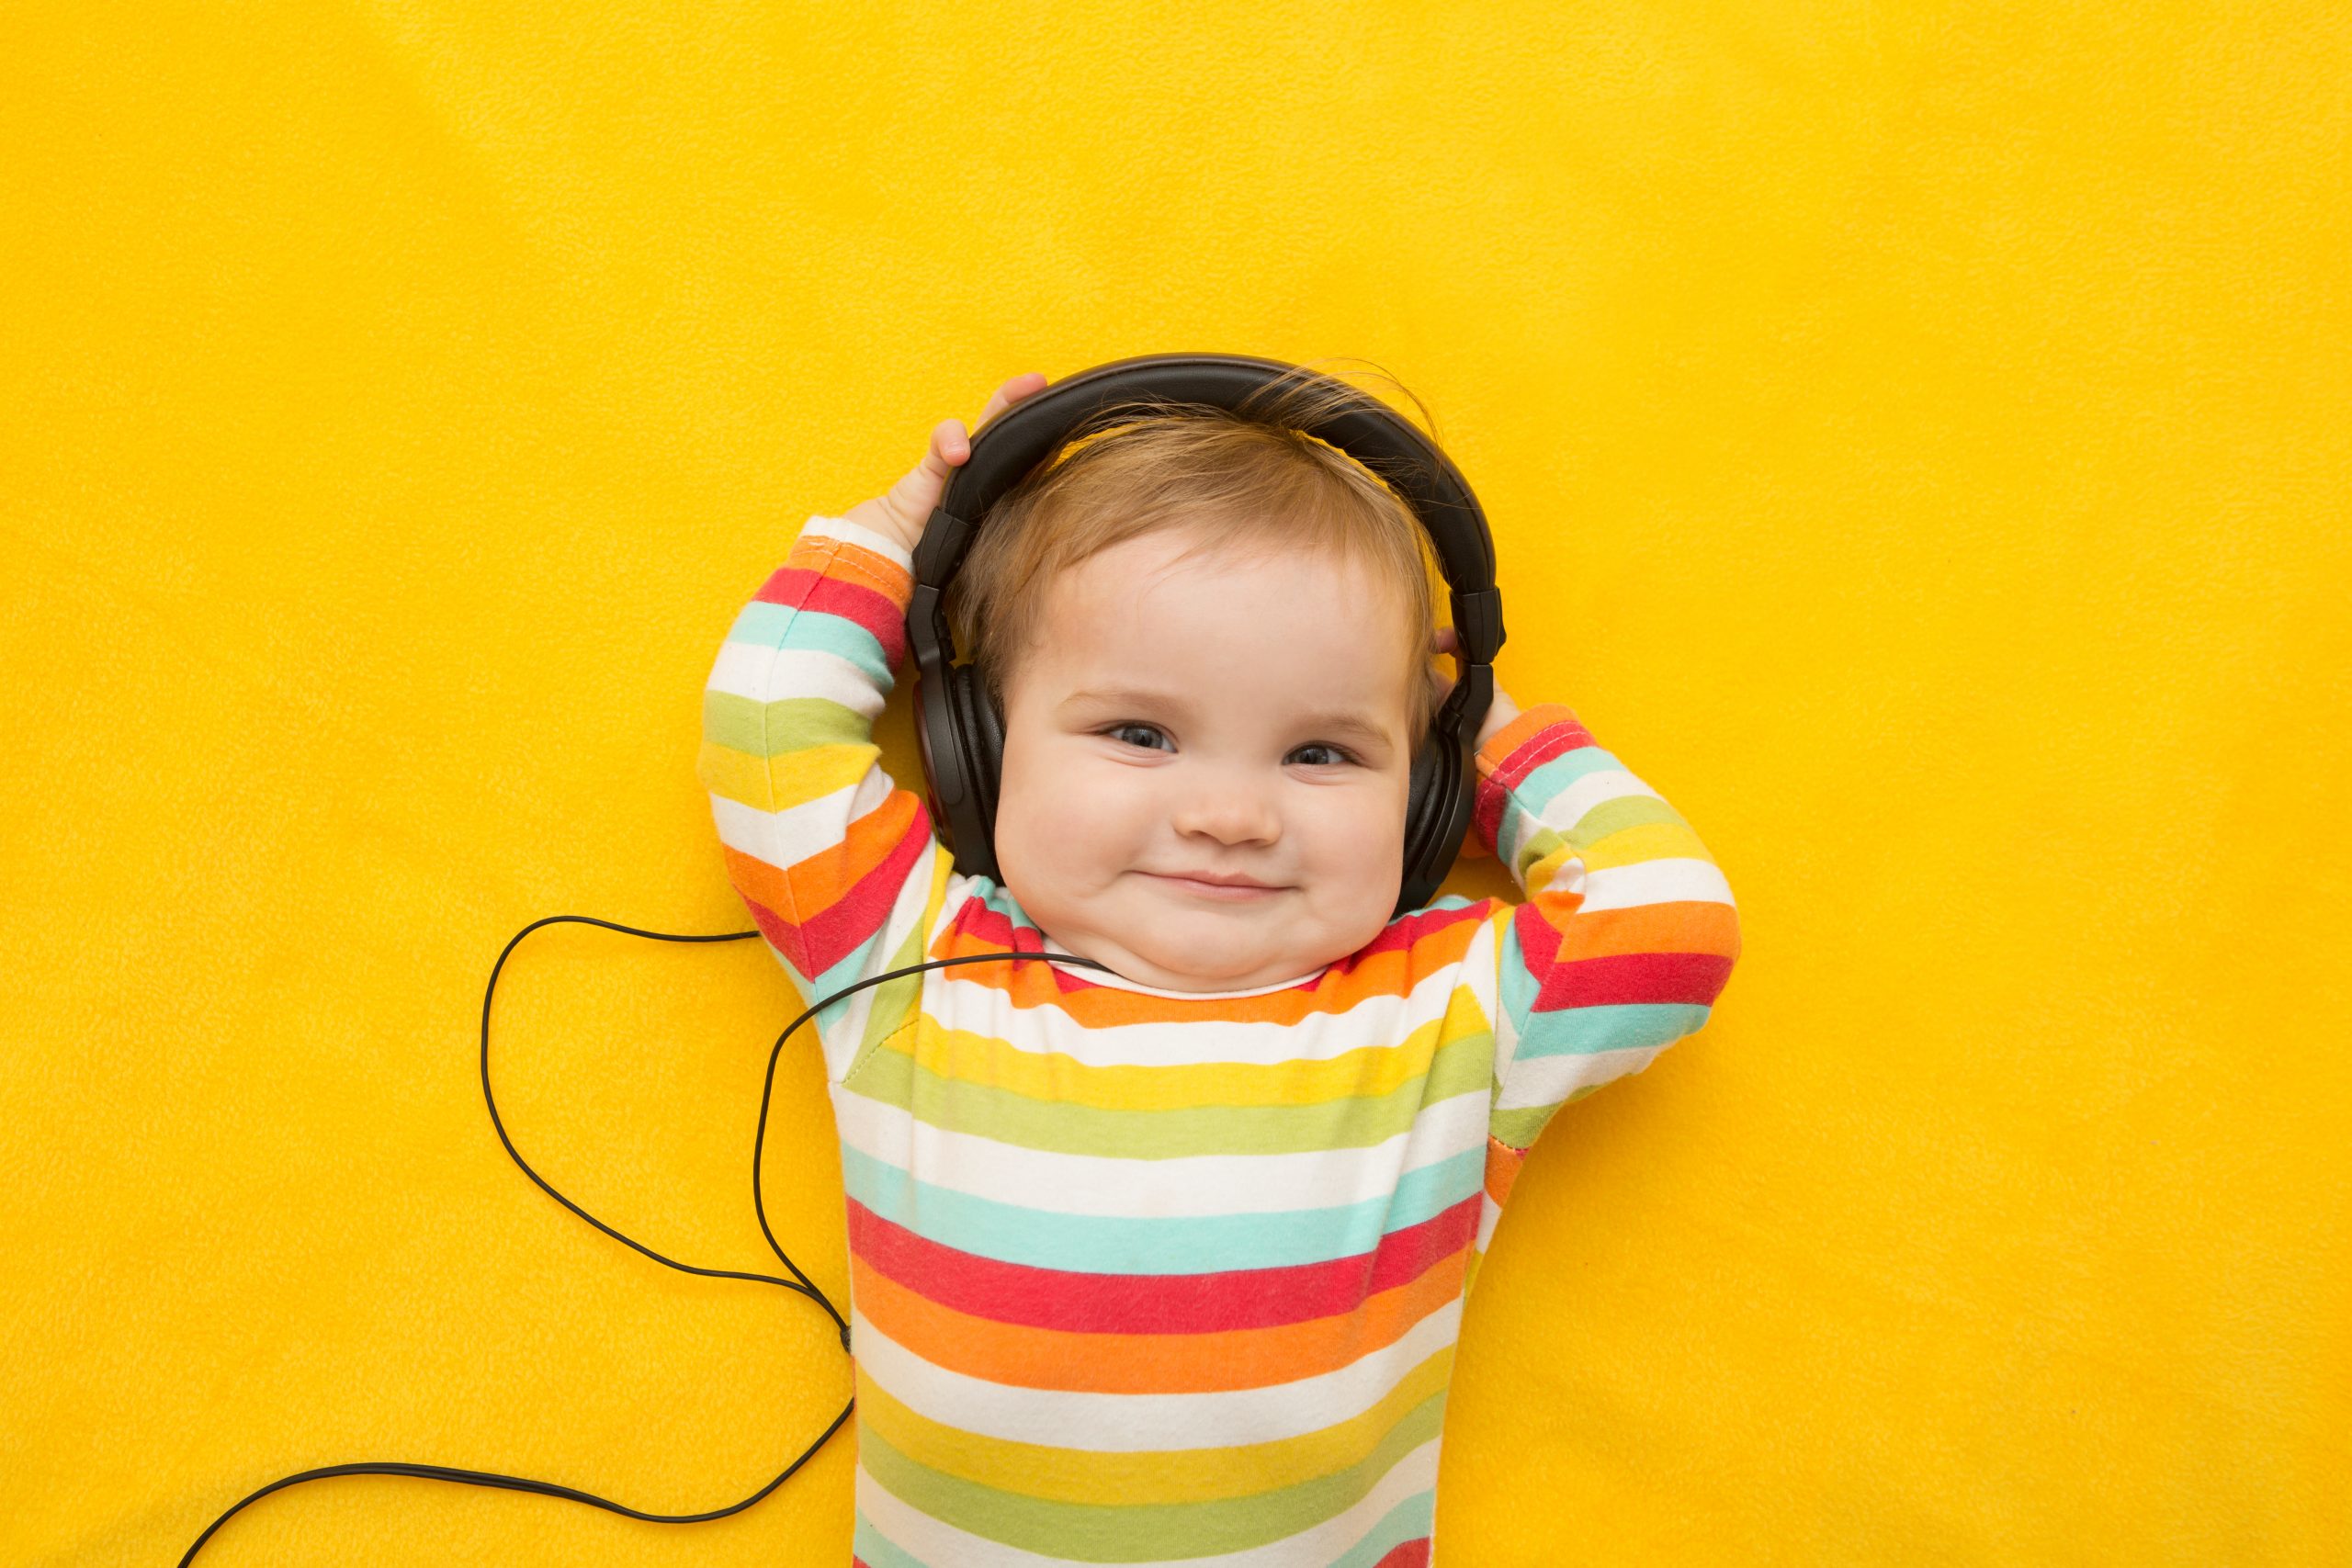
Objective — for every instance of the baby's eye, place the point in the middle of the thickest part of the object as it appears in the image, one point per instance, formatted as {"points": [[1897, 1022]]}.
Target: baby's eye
{"points": [[1149, 737], [1316, 754]]}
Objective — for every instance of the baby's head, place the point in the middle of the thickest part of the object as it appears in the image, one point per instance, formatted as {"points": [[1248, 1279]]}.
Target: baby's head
{"points": [[1209, 639]]}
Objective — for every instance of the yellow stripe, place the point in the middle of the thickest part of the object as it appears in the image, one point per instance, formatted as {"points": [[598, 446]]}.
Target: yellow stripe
{"points": [[1369, 1070], [1158, 1476], [1649, 841], [784, 781]]}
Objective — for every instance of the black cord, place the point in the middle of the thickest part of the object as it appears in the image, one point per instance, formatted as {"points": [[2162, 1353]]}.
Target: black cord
{"points": [[799, 1281]]}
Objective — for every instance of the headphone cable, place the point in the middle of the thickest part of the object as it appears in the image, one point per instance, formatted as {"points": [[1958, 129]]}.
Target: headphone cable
{"points": [[800, 1281]]}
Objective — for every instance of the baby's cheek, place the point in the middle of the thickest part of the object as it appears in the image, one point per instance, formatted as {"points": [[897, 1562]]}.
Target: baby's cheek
{"points": [[1364, 849], [1093, 830], [1056, 835]]}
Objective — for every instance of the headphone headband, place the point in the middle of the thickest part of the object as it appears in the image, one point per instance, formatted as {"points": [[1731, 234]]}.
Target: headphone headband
{"points": [[956, 725], [1006, 450]]}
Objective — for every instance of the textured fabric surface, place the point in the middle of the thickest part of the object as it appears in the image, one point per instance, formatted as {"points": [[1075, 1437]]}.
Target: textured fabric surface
{"points": [[1148, 1277], [1916, 435]]}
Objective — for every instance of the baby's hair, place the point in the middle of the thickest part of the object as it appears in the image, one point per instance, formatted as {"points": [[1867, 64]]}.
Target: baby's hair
{"points": [[1245, 480]]}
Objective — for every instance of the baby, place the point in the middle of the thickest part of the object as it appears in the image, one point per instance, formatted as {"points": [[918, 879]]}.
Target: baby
{"points": [[1164, 1262]]}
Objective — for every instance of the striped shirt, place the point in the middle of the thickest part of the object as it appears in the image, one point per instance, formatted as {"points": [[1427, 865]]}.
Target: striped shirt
{"points": [[1141, 1276]]}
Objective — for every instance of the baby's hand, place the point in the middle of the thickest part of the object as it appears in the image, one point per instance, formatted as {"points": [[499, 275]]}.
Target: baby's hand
{"points": [[901, 514], [1499, 712]]}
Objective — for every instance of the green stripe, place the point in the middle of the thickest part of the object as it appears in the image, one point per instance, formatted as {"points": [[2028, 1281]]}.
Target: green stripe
{"points": [[1520, 1128], [894, 1078], [789, 724], [1621, 812], [1145, 1532]]}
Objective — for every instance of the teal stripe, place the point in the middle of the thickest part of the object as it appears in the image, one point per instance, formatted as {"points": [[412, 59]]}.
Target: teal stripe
{"points": [[1581, 1032], [1107, 1243], [1411, 1519], [894, 1001], [764, 625], [1541, 786], [872, 1550]]}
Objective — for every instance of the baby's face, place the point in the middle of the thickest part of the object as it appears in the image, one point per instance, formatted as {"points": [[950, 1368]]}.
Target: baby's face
{"points": [[1205, 764]]}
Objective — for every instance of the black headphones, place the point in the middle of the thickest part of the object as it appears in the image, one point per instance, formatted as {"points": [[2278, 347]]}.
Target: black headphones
{"points": [[961, 734]]}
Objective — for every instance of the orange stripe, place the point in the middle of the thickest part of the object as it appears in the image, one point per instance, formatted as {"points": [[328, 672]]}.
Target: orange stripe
{"points": [[1382, 975], [876, 571], [1687, 926], [1502, 1169], [1148, 1363], [819, 883]]}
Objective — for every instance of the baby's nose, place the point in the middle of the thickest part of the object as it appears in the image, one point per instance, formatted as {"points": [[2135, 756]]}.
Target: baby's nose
{"points": [[1230, 812]]}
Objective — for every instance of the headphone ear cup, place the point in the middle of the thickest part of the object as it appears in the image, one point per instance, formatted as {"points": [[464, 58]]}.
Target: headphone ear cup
{"points": [[979, 737], [987, 741], [1424, 801]]}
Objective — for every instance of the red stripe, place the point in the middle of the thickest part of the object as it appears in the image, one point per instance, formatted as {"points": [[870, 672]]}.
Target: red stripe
{"points": [[1552, 740], [1622, 977], [1412, 1554], [1400, 935], [797, 588], [1492, 795], [992, 928], [1076, 1302], [1486, 803], [818, 943], [835, 931]]}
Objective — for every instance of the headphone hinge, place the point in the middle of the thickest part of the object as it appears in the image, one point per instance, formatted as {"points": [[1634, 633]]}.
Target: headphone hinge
{"points": [[1478, 623]]}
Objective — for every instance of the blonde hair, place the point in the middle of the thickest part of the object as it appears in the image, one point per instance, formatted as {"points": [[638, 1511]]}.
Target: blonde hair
{"points": [[1245, 479]]}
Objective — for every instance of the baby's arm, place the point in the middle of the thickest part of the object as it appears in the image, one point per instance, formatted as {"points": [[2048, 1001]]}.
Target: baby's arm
{"points": [[1628, 932], [839, 868]]}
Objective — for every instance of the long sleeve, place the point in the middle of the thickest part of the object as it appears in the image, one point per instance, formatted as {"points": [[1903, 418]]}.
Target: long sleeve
{"points": [[838, 867], [1627, 935]]}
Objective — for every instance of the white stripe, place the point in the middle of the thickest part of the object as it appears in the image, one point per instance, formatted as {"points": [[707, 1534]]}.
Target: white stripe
{"points": [[843, 528], [957, 1002], [1189, 1186], [784, 839], [759, 674], [1548, 1080], [930, 1541], [1594, 789], [1489, 1213], [1148, 1423], [1655, 881], [844, 1035]]}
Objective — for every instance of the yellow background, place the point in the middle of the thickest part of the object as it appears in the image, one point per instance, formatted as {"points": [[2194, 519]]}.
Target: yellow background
{"points": [[1918, 439]]}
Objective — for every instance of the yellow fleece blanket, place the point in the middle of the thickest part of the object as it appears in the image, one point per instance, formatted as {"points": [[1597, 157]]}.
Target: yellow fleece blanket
{"points": [[1915, 436]]}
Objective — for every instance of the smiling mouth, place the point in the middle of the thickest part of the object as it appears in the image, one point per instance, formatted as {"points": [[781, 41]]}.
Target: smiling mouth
{"points": [[1230, 892]]}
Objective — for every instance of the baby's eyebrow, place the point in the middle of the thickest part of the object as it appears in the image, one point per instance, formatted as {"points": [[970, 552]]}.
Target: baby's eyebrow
{"points": [[1356, 725], [1120, 696]]}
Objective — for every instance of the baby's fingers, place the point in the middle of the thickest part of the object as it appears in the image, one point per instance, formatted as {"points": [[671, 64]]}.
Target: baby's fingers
{"points": [[1027, 384], [949, 447], [950, 444]]}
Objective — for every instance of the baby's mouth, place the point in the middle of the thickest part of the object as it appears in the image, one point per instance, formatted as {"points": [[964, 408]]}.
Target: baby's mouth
{"points": [[1223, 888]]}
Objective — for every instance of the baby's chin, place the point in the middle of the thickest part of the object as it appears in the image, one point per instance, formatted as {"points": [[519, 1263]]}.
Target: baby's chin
{"points": [[1164, 955]]}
